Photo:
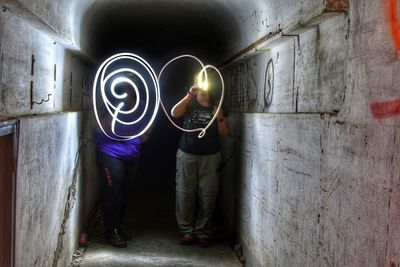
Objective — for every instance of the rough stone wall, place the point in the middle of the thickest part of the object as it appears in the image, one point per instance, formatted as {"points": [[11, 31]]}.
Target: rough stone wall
{"points": [[318, 185]]}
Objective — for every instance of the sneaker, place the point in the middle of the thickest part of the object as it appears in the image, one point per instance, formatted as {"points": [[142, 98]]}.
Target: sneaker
{"points": [[204, 242], [114, 239], [84, 240], [124, 235], [187, 240]]}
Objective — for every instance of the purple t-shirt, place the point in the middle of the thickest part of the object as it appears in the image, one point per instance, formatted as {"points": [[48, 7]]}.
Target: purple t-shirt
{"points": [[118, 149]]}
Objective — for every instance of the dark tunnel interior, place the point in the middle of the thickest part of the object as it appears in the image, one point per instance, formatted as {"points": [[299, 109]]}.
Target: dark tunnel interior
{"points": [[308, 174], [159, 34]]}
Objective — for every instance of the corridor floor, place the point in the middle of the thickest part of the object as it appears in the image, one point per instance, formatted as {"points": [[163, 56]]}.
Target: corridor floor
{"points": [[150, 218]]}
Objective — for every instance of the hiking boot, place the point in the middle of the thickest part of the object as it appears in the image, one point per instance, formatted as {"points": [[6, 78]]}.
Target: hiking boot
{"points": [[114, 239], [204, 242], [124, 235], [187, 239]]}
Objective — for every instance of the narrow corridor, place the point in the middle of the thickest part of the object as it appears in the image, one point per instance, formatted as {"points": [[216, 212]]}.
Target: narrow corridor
{"points": [[306, 150]]}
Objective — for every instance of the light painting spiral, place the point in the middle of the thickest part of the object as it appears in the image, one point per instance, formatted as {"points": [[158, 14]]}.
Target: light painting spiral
{"points": [[125, 115], [130, 69]]}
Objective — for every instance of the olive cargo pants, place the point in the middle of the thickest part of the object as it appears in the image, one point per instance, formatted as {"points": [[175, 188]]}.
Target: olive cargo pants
{"points": [[196, 191]]}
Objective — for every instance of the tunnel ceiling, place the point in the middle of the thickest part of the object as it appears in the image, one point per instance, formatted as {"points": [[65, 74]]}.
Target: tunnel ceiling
{"points": [[160, 28], [216, 29]]}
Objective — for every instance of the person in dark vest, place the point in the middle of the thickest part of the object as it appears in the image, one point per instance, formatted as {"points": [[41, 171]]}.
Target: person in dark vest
{"points": [[197, 162]]}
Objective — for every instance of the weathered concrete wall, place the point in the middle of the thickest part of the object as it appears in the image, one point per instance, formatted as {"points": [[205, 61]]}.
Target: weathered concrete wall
{"points": [[256, 19], [56, 187], [33, 66], [242, 22], [302, 71], [318, 185], [313, 191], [55, 156], [49, 178], [314, 181]]}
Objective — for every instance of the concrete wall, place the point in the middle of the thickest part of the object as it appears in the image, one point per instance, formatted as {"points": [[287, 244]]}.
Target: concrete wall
{"points": [[56, 187], [48, 186], [317, 184], [314, 181], [33, 65], [239, 22], [301, 71], [55, 155], [256, 19]]}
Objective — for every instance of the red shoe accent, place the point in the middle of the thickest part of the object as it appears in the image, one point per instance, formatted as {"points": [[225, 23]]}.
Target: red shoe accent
{"points": [[84, 240], [204, 242], [186, 240]]}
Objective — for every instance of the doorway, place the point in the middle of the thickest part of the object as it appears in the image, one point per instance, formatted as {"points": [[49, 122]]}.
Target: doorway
{"points": [[7, 191]]}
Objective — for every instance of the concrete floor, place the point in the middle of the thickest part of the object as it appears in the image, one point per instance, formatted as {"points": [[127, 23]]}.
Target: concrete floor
{"points": [[150, 218]]}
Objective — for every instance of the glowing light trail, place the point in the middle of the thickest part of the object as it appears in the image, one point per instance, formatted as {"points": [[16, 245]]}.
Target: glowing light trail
{"points": [[203, 84], [118, 77]]}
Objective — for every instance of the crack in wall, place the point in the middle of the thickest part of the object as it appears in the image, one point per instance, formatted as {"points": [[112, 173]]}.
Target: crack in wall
{"points": [[69, 205]]}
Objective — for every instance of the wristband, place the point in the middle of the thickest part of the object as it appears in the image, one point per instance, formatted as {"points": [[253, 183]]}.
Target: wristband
{"points": [[190, 94]]}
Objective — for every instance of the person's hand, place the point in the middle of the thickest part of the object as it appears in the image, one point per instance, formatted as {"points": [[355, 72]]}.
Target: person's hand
{"points": [[194, 90], [145, 137]]}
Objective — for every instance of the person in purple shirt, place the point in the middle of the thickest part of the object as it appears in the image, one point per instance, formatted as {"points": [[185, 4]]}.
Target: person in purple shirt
{"points": [[117, 163]]}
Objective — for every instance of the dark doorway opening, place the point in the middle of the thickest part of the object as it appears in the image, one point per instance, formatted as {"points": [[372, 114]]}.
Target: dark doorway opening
{"points": [[7, 192]]}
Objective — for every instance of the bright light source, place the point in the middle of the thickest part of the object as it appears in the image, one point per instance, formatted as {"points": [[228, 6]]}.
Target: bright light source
{"points": [[202, 80]]}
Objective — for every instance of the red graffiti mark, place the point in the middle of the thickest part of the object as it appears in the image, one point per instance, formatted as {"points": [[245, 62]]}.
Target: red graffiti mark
{"points": [[109, 177], [390, 108], [386, 109], [394, 22]]}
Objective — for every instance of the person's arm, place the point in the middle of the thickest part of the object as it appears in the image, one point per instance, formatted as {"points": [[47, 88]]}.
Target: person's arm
{"points": [[181, 107], [222, 124], [146, 136]]}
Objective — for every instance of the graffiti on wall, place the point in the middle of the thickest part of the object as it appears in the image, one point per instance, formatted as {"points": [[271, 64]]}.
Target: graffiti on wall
{"points": [[269, 83], [386, 109], [391, 13], [251, 85], [243, 87], [391, 108]]}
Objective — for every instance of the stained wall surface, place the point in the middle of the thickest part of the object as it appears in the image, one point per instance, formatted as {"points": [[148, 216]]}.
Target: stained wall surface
{"points": [[313, 106], [315, 173]]}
